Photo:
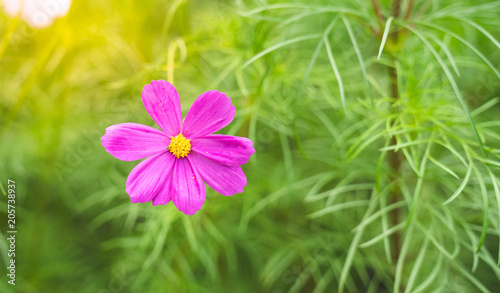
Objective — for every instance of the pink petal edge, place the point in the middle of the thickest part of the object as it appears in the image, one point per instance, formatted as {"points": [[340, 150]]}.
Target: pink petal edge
{"points": [[148, 178], [210, 112], [188, 190], [132, 141], [162, 102], [226, 180], [164, 196], [224, 149]]}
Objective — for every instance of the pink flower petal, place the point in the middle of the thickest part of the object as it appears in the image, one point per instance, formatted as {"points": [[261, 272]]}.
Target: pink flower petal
{"points": [[162, 102], [226, 180], [165, 195], [188, 189], [210, 112], [224, 149], [148, 178], [132, 141]]}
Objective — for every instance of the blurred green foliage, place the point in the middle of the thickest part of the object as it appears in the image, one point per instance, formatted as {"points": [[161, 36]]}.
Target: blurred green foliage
{"points": [[317, 214]]}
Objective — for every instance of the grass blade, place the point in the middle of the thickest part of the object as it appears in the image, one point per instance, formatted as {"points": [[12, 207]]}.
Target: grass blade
{"points": [[275, 196], [317, 50], [462, 185], [466, 43], [302, 6], [440, 165], [453, 84], [447, 53], [484, 194], [354, 245], [383, 211], [360, 57], [485, 106], [398, 146], [335, 71], [280, 45], [338, 207], [420, 181], [380, 164], [471, 277], [497, 195], [432, 275], [381, 236], [481, 29], [401, 259], [416, 266], [384, 37]]}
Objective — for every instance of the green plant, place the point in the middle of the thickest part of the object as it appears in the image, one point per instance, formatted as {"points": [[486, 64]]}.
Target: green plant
{"points": [[416, 151]]}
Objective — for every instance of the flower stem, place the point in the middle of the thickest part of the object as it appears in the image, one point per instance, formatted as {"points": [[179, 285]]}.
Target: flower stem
{"points": [[408, 9], [396, 8], [394, 159], [378, 12]]}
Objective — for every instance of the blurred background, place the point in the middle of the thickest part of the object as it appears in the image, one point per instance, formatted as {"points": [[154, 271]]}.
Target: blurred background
{"points": [[355, 154]]}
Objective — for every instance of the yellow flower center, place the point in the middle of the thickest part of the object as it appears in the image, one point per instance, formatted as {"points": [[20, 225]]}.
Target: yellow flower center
{"points": [[179, 146]]}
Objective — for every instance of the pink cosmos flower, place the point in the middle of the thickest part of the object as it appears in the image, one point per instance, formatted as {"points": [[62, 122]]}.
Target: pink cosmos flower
{"points": [[37, 13], [183, 155]]}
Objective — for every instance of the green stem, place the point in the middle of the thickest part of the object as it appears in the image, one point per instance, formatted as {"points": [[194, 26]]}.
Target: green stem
{"points": [[396, 8], [408, 9], [378, 12], [394, 159]]}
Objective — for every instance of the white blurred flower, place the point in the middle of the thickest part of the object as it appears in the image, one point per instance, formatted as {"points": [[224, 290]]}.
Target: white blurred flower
{"points": [[37, 13]]}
